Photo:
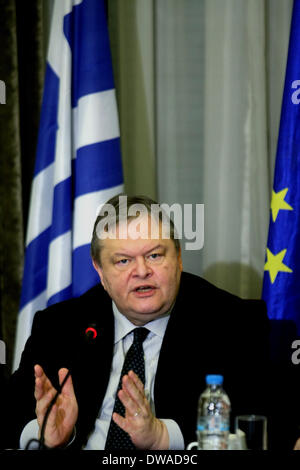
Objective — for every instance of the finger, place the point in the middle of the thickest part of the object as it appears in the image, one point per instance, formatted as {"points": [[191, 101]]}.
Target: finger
{"points": [[38, 389], [43, 392], [41, 388], [131, 406], [38, 370], [120, 421], [68, 389], [42, 383], [137, 381], [131, 388], [39, 375]]}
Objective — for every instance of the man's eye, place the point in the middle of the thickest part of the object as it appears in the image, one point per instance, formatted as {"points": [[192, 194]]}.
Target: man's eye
{"points": [[154, 256], [123, 262]]}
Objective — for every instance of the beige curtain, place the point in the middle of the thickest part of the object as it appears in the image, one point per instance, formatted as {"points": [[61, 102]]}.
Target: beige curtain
{"points": [[131, 26], [200, 86], [236, 183]]}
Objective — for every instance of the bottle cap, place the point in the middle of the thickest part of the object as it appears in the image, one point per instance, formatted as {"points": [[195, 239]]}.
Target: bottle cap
{"points": [[214, 379]]}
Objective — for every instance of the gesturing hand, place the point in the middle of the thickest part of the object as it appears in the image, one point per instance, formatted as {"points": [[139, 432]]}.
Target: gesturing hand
{"points": [[145, 430], [64, 413], [297, 445]]}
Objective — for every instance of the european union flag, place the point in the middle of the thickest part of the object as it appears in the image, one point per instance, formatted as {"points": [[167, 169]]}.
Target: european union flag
{"points": [[281, 287]]}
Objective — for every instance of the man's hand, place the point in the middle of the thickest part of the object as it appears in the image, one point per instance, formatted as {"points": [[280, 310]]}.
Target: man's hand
{"points": [[145, 430], [64, 413], [297, 445]]}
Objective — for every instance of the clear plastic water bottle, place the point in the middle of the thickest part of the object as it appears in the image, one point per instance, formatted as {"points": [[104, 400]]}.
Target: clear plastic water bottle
{"points": [[213, 415]]}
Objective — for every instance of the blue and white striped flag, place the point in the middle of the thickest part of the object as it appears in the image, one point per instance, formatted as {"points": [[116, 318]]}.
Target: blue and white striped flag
{"points": [[78, 163]]}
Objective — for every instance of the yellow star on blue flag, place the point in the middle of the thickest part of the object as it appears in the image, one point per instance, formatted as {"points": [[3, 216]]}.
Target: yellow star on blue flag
{"points": [[275, 264], [281, 283], [278, 203]]}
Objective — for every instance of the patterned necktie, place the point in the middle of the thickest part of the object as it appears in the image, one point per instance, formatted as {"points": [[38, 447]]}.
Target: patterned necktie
{"points": [[134, 360]]}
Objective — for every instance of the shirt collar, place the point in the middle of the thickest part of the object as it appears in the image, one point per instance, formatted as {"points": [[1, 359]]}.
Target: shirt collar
{"points": [[123, 326]]}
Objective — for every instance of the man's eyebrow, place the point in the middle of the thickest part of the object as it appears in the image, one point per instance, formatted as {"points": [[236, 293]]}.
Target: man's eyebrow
{"points": [[121, 254], [156, 247]]}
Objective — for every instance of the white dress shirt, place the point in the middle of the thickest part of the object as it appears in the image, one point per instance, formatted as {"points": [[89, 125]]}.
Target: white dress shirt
{"points": [[122, 342]]}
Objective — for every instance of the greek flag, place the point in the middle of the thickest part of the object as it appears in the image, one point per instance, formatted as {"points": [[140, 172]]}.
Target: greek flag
{"points": [[281, 289], [78, 162]]}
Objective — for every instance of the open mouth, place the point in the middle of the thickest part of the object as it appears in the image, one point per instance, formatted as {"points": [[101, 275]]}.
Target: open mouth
{"points": [[144, 290]]}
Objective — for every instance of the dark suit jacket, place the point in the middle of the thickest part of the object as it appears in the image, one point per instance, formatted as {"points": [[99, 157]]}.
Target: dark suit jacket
{"points": [[209, 331]]}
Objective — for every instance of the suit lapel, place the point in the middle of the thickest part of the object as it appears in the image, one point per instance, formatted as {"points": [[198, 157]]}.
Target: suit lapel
{"points": [[94, 359]]}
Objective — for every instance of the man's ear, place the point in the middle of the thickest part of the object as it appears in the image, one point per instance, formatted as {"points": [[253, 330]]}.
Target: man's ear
{"points": [[180, 259], [99, 271]]}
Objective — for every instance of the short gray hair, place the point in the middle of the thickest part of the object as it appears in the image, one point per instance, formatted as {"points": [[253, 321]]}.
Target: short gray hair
{"points": [[147, 203]]}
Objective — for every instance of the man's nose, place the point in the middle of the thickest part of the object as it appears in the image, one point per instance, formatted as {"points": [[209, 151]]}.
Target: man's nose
{"points": [[142, 269]]}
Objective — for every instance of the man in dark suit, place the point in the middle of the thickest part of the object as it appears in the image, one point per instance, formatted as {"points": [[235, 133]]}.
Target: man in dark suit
{"points": [[194, 329]]}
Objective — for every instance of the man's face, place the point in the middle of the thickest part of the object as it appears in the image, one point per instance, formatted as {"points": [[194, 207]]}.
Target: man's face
{"points": [[141, 275]]}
